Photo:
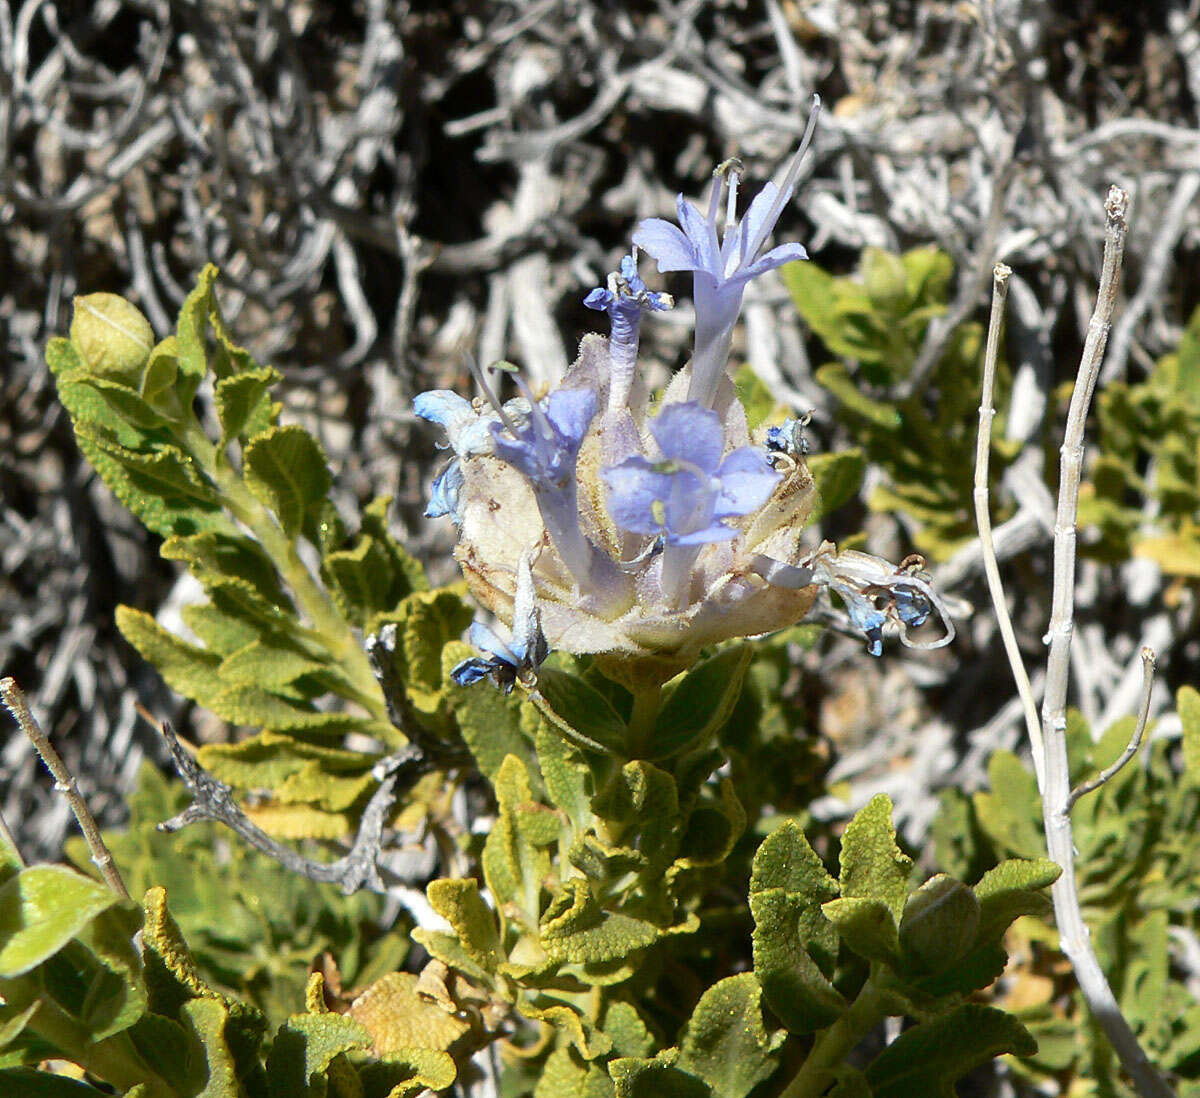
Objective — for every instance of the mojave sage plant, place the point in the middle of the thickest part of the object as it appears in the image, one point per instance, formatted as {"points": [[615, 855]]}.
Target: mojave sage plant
{"points": [[603, 520]]}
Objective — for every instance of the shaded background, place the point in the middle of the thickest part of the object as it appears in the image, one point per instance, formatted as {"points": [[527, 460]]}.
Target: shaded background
{"points": [[386, 186]]}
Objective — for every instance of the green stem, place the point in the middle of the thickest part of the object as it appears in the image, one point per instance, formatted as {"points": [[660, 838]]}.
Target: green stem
{"points": [[642, 720], [337, 633], [832, 1046]]}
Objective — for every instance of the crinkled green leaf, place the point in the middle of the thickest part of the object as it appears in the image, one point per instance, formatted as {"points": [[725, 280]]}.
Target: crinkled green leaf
{"points": [[834, 377], [428, 621], [630, 1036], [287, 472], [656, 1078], [872, 866], [408, 1073], [41, 909], [244, 405], [303, 1050], [565, 1075], [725, 1042], [459, 903], [786, 929], [929, 1058], [786, 861], [566, 775], [267, 663], [1009, 813]]}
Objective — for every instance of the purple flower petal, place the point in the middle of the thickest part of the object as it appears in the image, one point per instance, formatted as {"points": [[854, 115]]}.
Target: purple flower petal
{"points": [[486, 640], [776, 257], [688, 432], [716, 532], [599, 299], [747, 482], [666, 243], [703, 235], [571, 411], [634, 488]]}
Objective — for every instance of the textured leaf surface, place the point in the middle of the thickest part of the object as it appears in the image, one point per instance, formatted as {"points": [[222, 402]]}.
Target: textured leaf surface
{"points": [[725, 1042], [397, 1018], [43, 908], [928, 1059], [303, 1050], [287, 471], [873, 868]]}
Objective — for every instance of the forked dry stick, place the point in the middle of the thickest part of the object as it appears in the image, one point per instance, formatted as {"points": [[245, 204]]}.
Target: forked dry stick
{"points": [[1050, 740], [64, 782]]}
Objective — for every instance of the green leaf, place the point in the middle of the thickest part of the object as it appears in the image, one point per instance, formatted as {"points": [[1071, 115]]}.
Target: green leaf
{"points": [[785, 861], [867, 926], [287, 472], [1010, 813], [565, 1075], [207, 1019], [657, 1078], [303, 1050], [755, 397], [630, 1036], [268, 663], [872, 866], [700, 703], [786, 928], [490, 722], [928, 1059], [244, 405], [430, 620], [41, 910], [838, 477], [565, 773], [459, 903], [725, 1042], [161, 486], [192, 327], [408, 1073], [835, 377], [939, 924], [1187, 701], [583, 708], [884, 277], [188, 669], [1010, 890], [11, 862]]}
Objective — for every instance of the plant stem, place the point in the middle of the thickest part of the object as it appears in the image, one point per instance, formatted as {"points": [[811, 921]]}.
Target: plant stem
{"points": [[643, 719], [14, 701], [1056, 792], [834, 1044], [337, 633]]}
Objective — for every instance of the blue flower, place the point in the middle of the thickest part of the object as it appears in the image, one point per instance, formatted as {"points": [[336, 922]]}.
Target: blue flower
{"points": [[445, 494], [788, 438], [722, 265], [522, 656], [685, 496], [546, 447]]}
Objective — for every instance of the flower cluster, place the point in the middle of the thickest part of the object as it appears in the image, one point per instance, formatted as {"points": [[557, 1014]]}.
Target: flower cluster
{"points": [[642, 530]]}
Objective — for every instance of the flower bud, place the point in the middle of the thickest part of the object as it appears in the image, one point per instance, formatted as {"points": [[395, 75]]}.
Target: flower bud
{"points": [[112, 336]]}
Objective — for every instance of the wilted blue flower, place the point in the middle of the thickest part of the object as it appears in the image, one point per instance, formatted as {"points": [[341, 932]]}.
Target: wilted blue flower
{"points": [[722, 265], [445, 494], [876, 593], [518, 659], [788, 438], [625, 299]]}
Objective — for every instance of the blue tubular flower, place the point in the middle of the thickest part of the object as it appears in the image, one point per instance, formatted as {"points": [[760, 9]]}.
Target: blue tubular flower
{"points": [[684, 497], [722, 265], [625, 299], [545, 450], [518, 660]]}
